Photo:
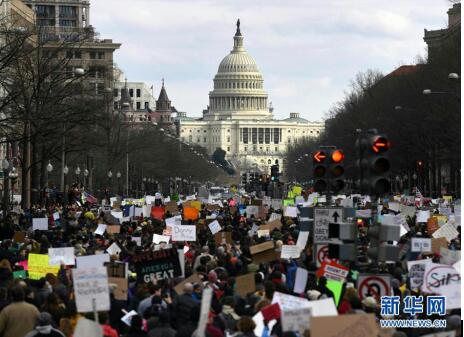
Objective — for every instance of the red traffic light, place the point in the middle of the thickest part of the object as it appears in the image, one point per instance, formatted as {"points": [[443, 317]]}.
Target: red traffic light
{"points": [[319, 156], [337, 156], [381, 144]]}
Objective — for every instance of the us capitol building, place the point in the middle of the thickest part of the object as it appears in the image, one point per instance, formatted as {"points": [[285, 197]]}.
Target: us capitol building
{"points": [[239, 119]]}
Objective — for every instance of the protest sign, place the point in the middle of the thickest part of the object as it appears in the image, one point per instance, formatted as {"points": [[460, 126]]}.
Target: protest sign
{"points": [[291, 212], [214, 227], [113, 229], [336, 287], [89, 261], [206, 297], [358, 325], [272, 225], [302, 239], [157, 212], [289, 302], [40, 224], [245, 284], [276, 204], [58, 256], [288, 202], [290, 252], [422, 216], [301, 278], [157, 265], [146, 211], [190, 213], [447, 231], [432, 225], [263, 233], [416, 271], [275, 216], [122, 285], [333, 271], [184, 233], [113, 249], [87, 328], [38, 266], [91, 289], [421, 245], [437, 243], [363, 213], [448, 256], [297, 190], [296, 319], [437, 276], [408, 211], [100, 229], [196, 204], [264, 252], [222, 238], [157, 239], [252, 211]]}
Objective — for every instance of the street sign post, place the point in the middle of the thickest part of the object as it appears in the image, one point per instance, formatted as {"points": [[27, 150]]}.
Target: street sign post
{"points": [[322, 218]]}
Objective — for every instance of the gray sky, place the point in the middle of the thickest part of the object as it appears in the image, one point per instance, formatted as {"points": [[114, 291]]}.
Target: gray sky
{"points": [[307, 50]]}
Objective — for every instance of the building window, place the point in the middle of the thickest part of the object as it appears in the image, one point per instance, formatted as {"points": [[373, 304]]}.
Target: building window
{"points": [[228, 149], [131, 92], [228, 130], [260, 148], [267, 135], [245, 136], [269, 162], [276, 149], [228, 139], [115, 92], [92, 55], [190, 138], [146, 105], [245, 149], [254, 135], [68, 12], [101, 55], [277, 161], [138, 104], [267, 148], [276, 135], [261, 135], [204, 131], [255, 148], [190, 131], [198, 139], [138, 93], [204, 139]]}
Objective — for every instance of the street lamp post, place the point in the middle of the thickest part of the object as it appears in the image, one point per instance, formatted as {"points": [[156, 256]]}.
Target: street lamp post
{"points": [[6, 195], [65, 187], [110, 175], [86, 174], [77, 172], [13, 175], [49, 169]]}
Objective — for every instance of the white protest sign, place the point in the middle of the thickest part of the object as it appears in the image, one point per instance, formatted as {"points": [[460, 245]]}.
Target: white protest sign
{"points": [[447, 231], [204, 311], [157, 239], [100, 229], [394, 206], [137, 239], [184, 233], [422, 216], [416, 270], [448, 256], [214, 227], [289, 302], [275, 216], [113, 249], [117, 214], [291, 212], [290, 252], [40, 224], [150, 199], [419, 245], [276, 204], [322, 218], [252, 210], [437, 276], [263, 232], [301, 278], [175, 220], [302, 239], [452, 293], [146, 211], [296, 319], [56, 216], [92, 260], [299, 200], [408, 210], [91, 289], [138, 212], [324, 307], [58, 256]]}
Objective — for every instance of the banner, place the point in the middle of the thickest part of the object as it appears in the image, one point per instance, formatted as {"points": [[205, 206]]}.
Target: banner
{"points": [[157, 265], [190, 213], [58, 256]]}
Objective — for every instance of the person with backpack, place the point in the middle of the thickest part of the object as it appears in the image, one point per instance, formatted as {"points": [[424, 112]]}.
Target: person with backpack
{"points": [[228, 317]]}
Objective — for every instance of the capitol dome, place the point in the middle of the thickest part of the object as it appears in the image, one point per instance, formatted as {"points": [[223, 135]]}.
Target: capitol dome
{"points": [[238, 87]]}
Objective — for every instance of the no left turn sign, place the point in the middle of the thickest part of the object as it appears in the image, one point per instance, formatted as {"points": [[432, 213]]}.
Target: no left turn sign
{"points": [[374, 285]]}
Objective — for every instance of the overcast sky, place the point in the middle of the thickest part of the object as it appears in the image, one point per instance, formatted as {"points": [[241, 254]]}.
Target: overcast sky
{"points": [[307, 50]]}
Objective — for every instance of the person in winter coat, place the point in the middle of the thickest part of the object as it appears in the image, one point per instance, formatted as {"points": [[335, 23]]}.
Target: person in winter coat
{"points": [[246, 325], [44, 327]]}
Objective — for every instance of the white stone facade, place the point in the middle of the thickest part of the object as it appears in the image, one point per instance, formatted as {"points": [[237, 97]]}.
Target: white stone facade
{"points": [[239, 119]]}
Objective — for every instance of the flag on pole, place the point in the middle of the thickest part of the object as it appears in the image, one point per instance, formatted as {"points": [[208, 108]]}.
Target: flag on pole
{"points": [[86, 197], [418, 193]]}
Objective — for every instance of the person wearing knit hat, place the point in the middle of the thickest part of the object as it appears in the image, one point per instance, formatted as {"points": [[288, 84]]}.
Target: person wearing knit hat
{"points": [[313, 295], [44, 327]]}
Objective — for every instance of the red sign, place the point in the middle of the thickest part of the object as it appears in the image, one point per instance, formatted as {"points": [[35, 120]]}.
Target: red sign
{"points": [[333, 271]]}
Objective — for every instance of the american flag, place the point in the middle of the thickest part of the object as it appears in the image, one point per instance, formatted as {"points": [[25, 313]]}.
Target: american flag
{"points": [[86, 197], [418, 193]]}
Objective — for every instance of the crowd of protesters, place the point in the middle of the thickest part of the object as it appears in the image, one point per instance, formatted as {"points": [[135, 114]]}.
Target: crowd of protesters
{"points": [[47, 307]]}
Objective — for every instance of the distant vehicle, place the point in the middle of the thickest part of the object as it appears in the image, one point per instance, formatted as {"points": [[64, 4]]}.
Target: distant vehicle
{"points": [[216, 192]]}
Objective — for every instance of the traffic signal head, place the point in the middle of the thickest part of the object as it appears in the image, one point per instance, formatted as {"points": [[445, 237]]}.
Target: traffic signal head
{"points": [[337, 170], [275, 173], [343, 251], [374, 163], [319, 171]]}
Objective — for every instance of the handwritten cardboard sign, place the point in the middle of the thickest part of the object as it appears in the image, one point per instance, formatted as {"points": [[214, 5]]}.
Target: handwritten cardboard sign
{"points": [[245, 284]]}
